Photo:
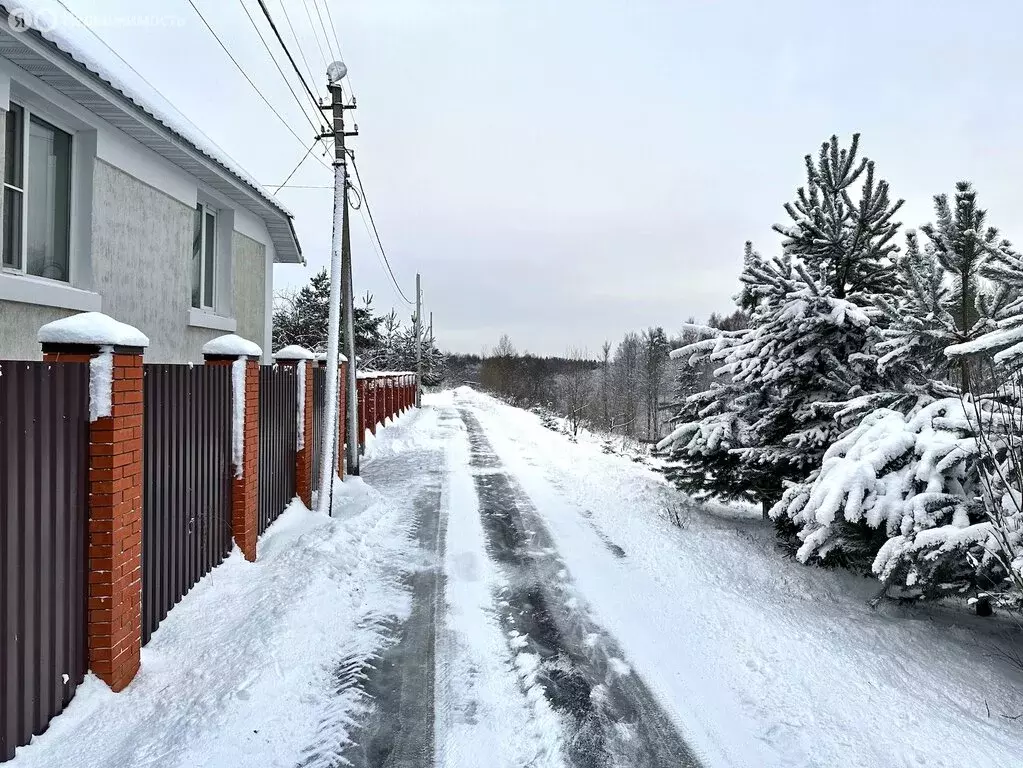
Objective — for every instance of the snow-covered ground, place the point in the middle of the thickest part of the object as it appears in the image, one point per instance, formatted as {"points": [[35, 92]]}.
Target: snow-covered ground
{"points": [[569, 624]]}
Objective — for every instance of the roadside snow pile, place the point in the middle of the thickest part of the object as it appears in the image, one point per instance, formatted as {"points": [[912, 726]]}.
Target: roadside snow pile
{"points": [[92, 328], [231, 345], [244, 670]]}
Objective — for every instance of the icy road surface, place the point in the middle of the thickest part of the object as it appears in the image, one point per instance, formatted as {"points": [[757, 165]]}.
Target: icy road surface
{"points": [[492, 594]]}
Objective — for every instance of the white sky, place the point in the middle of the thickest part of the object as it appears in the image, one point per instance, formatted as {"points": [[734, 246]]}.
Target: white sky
{"points": [[565, 171]]}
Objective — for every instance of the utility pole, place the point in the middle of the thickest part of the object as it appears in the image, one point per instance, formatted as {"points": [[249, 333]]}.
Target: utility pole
{"points": [[419, 344], [341, 296]]}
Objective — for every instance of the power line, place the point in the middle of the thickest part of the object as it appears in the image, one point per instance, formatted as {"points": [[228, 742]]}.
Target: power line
{"points": [[316, 37], [249, 79], [298, 43], [323, 26], [144, 80], [295, 169], [287, 52], [273, 58], [376, 233]]}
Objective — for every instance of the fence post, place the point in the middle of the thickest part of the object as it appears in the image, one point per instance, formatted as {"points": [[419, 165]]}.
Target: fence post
{"points": [[342, 410], [392, 398], [243, 357], [301, 358], [113, 352]]}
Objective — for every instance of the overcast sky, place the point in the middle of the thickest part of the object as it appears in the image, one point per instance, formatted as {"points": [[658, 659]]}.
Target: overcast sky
{"points": [[566, 170]]}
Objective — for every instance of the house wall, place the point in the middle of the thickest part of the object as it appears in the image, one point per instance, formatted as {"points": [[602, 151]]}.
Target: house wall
{"points": [[249, 287], [132, 246]]}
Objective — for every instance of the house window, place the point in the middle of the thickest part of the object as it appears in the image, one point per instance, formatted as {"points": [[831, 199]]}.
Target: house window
{"points": [[204, 258], [37, 196]]}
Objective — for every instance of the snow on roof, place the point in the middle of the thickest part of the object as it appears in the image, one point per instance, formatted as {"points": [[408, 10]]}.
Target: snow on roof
{"points": [[93, 328], [293, 352], [56, 24], [232, 345]]}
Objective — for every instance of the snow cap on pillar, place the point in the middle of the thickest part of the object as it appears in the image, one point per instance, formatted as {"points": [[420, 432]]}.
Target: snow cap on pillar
{"points": [[231, 345], [293, 352], [91, 329]]}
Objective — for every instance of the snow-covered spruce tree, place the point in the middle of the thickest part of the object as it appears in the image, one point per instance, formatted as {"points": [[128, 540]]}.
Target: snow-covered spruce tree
{"points": [[947, 300], [700, 459], [847, 241], [916, 477]]}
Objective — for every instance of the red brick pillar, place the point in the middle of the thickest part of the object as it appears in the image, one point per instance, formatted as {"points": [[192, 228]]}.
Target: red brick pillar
{"points": [[392, 398], [342, 412], [363, 412], [243, 357], [408, 395], [301, 359], [114, 609]]}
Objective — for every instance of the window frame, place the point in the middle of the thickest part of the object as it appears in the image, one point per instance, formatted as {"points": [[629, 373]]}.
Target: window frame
{"points": [[28, 111], [205, 210]]}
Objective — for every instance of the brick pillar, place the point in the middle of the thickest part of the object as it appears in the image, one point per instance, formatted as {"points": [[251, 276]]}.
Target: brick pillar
{"points": [[301, 359], [229, 350], [342, 422], [392, 394], [114, 607]]}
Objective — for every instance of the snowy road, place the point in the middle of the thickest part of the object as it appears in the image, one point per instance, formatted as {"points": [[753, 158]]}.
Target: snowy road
{"points": [[496, 596]]}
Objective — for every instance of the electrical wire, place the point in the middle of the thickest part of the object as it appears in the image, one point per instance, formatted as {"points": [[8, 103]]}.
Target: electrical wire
{"points": [[298, 43], [287, 51], [316, 37], [249, 79], [323, 27], [376, 233], [295, 169], [273, 58], [144, 80]]}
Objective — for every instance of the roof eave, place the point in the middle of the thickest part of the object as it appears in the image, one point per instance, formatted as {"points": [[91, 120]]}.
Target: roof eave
{"points": [[287, 249]]}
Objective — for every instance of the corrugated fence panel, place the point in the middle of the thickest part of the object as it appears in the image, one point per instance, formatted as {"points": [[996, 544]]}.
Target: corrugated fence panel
{"points": [[278, 435], [44, 421], [319, 404], [186, 482]]}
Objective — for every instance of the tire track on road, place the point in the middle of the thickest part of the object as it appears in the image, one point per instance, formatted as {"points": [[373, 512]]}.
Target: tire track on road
{"points": [[614, 719]]}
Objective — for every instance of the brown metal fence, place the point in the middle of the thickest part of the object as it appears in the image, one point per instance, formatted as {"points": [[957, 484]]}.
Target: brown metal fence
{"points": [[44, 419], [319, 404], [278, 435], [186, 482]]}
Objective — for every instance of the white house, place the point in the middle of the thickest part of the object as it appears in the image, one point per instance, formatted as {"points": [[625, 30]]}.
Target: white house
{"points": [[112, 202]]}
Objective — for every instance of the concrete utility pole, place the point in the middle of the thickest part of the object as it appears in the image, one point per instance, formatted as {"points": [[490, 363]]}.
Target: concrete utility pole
{"points": [[341, 295], [419, 343]]}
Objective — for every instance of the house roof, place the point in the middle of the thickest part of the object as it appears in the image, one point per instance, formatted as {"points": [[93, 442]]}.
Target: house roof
{"points": [[67, 56]]}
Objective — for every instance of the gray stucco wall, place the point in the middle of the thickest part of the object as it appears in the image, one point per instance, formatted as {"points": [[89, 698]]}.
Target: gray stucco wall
{"points": [[141, 260], [19, 324], [141, 256], [249, 287]]}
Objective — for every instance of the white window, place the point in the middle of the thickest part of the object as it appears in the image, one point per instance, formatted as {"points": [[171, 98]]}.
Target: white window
{"points": [[37, 196], [204, 258]]}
